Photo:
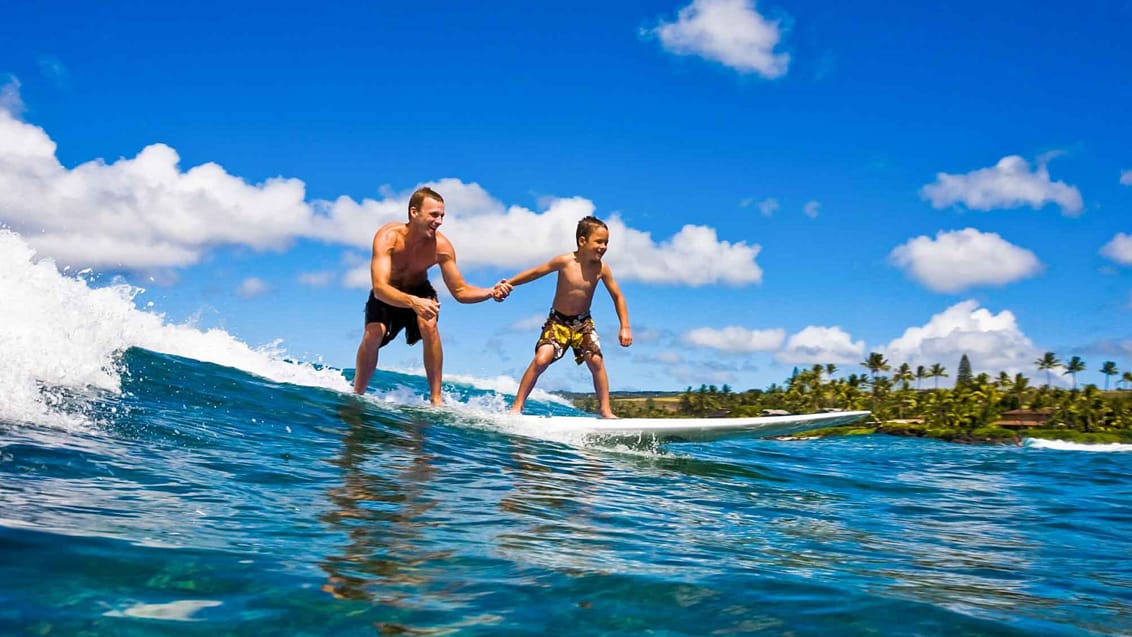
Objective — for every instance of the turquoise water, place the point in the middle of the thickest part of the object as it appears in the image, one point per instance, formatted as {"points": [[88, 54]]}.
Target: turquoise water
{"points": [[202, 500]]}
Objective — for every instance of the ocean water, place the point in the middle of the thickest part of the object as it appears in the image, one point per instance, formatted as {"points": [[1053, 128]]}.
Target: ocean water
{"points": [[158, 479]]}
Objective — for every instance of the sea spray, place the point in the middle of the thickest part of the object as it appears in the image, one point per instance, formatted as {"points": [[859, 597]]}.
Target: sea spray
{"points": [[1064, 445], [61, 335]]}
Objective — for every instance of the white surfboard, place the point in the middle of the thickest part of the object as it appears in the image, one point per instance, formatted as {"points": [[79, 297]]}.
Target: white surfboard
{"points": [[688, 429]]}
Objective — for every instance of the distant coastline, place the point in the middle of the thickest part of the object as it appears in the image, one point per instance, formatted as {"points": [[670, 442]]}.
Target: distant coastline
{"points": [[977, 409]]}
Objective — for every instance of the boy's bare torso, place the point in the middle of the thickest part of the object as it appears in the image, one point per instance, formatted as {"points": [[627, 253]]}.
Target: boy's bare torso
{"points": [[577, 281]]}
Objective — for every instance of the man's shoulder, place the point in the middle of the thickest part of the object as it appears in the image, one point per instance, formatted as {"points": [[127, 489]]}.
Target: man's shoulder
{"points": [[443, 245], [392, 231]]}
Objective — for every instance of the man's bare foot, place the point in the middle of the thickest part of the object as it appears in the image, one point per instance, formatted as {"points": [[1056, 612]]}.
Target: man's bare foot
{"points": [[609, 416], [515, 411]]}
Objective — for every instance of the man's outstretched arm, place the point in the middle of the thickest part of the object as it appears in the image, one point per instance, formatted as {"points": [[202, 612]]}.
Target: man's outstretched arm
{"points": [[460, 289]]}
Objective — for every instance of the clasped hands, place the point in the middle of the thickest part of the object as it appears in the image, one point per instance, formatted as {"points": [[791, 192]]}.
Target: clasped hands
{"points": [[500, 290]]}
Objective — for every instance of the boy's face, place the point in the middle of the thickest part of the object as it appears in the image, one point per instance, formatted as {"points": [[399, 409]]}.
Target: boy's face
{"points": [[595, 245]]}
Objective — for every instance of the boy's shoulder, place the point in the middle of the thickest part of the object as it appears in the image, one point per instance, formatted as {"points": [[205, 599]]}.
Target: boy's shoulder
{"points": [[564, 259]]}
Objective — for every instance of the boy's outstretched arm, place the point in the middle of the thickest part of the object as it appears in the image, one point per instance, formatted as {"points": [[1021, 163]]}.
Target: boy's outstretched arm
{"points": [[528, 275], [625, 334]]}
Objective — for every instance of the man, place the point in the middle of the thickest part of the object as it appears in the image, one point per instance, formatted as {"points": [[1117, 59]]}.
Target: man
{"points": [[403, 298]]}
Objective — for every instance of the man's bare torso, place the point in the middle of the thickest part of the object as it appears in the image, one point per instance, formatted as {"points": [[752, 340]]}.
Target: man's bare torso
{"points": [[410, 258]]}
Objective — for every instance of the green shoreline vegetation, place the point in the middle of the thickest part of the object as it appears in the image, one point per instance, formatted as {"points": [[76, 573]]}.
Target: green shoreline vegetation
{"points": [[977, 409]]}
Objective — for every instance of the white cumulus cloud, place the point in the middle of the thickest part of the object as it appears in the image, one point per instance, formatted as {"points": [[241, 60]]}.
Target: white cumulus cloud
{"points": [[10, 101], [1119, 249], [468, 208], [735, 340], [319, 279], [139, 212], [992, 342], [668, 357], [1008, 184], [694, 256], [960, 259], [528, 323], [768, 206], [821, 345], [811, 209], [485, 232], [147, 212], [252, 287], [730, 32]]}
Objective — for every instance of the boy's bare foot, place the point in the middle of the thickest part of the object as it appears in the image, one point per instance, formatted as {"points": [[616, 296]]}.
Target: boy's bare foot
{"points": [[609, 416]]}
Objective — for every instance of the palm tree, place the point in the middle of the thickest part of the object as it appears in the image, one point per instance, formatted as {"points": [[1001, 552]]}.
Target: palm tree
{"points": [[1018, 389], [936, 371], [921, 374], [1108, 369], [1126, 379], [1047, 362], [1003, 381], [983, 401], [904, 375], [686, 401], [1074, 366], [876, 363], [817, 370], [1020, 380]]}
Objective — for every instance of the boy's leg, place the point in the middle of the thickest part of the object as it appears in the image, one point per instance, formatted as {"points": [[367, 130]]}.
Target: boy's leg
{"points": [[544, 356], [433, 358], [601, 383], [366, 360]]}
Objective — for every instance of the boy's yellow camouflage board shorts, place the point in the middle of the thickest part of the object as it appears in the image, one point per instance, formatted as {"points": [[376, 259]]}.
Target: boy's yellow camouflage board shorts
{"points": [[575, 332]]}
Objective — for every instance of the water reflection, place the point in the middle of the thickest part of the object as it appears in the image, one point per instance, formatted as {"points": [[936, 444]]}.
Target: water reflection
{"points": [[552, 505], [379, 507]]}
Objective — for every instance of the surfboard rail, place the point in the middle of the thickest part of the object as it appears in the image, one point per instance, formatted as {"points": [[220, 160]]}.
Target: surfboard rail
{"points": [[692, 429]]}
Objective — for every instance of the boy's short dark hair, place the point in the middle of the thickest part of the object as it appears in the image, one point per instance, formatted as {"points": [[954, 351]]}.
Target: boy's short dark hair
{"points": [[587, 225]]}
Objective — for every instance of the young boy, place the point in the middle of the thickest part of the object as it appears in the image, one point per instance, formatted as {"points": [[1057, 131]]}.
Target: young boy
{"points": [[569, 323]]}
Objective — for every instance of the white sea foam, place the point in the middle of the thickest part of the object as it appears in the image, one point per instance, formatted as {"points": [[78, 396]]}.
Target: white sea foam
{"points": [[1063, 445], [488, 412], [501, 384], [183, 610], [59, 331]]}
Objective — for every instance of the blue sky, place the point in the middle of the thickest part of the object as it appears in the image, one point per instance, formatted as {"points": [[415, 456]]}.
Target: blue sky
{"points": [[786, 183]]}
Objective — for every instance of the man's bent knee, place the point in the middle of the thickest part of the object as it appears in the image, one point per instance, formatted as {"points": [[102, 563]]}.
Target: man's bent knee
{"points": [[373, 335], [429, 329]]}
